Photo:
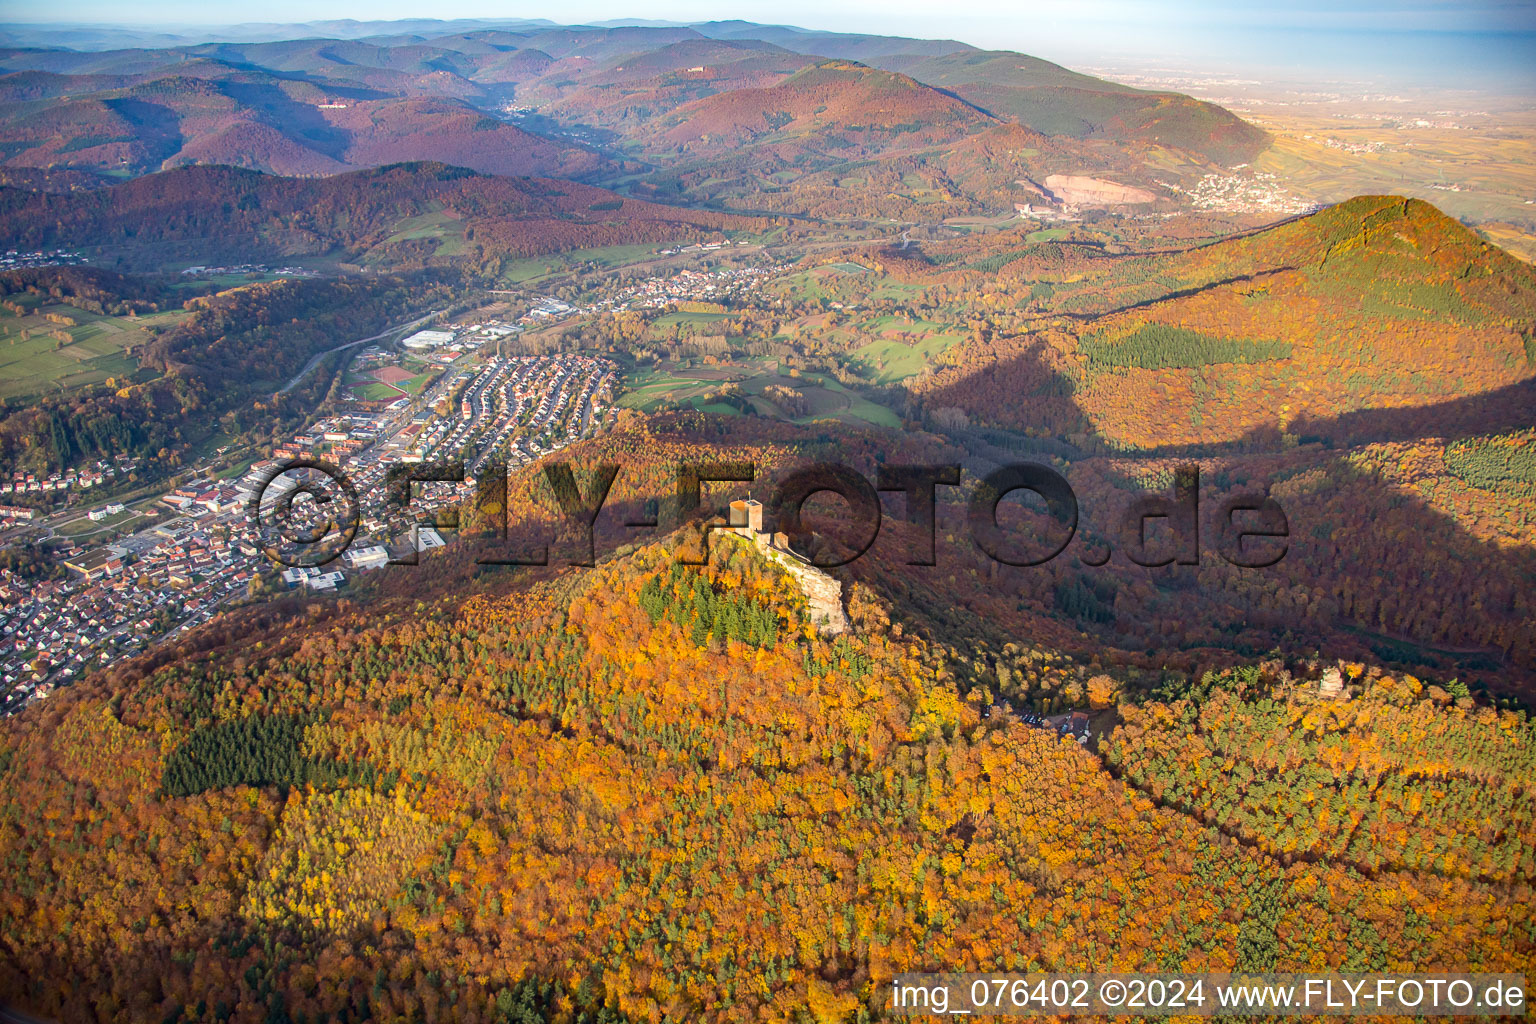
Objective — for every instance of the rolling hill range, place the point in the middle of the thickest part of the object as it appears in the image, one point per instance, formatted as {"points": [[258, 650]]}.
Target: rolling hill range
{"points": [[401, 214], [641, 86], [827, 97], [587, 103], [1054, 101], [210, 112]]}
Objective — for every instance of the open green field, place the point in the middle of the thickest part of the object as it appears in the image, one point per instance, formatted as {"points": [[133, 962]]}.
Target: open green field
{"points": [[719, 409], [445, 228], [607, 257], [374, 391], [34, 365], [888, 361], [236, 470], [647, 389], [846, 280], [228, 280], [689, 319], [806, 285], [823, 397], [417, 384], [524, 271], [901, 348], [841, 404], [84, 526], [903, 328], [756, 237]]}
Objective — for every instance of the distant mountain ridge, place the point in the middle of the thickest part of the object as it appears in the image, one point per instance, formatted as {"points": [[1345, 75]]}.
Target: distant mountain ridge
{"points": [[534, 98]]}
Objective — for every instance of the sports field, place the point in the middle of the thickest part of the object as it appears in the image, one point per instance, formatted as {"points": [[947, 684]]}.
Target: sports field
{"points": [[375, 391]]}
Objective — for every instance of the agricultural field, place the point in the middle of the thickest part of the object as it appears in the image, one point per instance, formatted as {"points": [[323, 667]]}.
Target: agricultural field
{"points": [[1475, 166], [1510, 238], [34, 360]]}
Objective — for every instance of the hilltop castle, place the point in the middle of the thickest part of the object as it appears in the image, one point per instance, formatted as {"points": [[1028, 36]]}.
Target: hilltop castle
{"points": [[823, 593]]}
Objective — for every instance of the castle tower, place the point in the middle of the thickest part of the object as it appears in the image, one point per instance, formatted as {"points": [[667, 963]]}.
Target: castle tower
{"points": [[746, 516]]}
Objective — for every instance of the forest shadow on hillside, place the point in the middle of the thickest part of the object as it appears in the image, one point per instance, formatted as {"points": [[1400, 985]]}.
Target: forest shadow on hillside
{"points": [[1512, 407], [1371, 570]]}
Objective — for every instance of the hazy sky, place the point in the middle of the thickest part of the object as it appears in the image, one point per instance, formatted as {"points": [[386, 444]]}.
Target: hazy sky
{"points": [[1433, 15], [1409, 36]]}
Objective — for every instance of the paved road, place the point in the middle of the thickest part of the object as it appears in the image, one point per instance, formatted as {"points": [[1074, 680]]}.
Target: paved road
{"points": [[352, 344]]}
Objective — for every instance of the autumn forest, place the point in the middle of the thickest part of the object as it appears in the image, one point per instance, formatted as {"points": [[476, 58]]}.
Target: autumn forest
{"points": [[1267, 707]]}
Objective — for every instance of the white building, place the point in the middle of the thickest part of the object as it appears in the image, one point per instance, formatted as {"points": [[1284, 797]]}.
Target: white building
{"points": [[429, 339], [374, 557]]}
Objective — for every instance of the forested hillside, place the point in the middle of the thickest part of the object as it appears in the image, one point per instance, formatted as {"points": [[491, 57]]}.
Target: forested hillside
{"points": [[223, 213], [423, 810], [217, 367], [1376, 303]]}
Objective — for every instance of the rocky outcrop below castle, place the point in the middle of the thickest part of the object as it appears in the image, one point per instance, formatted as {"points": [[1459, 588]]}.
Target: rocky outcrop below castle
{"points": [[823, 593]]}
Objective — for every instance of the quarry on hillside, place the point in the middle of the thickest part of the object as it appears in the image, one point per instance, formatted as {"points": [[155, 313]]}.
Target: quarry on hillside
{"points": [[1076, 190]]}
